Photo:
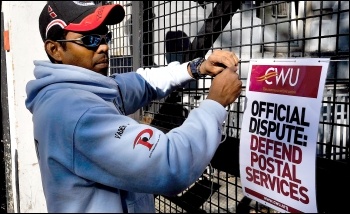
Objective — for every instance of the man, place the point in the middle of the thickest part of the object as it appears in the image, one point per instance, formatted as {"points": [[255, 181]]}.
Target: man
{"points": [[94, 158]]}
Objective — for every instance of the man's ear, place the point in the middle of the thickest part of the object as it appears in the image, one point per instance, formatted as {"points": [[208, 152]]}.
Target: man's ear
{"points": [[54, 49]]}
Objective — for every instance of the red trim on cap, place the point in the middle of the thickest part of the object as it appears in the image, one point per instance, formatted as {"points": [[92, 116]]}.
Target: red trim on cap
{"points": [[93, 20], [59, 22]]}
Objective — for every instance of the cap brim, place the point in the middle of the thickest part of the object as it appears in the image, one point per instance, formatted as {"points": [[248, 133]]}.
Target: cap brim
{"points": [[103, 15]]}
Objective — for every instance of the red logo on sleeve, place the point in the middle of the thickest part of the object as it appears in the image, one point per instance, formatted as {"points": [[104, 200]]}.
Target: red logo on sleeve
{"points": [[143, 137]]}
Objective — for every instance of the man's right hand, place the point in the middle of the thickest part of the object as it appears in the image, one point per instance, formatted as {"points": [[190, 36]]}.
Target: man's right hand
{"points": [[225, 87]]}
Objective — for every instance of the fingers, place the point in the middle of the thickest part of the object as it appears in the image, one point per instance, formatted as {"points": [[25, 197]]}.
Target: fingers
{"points": [[232, 72], [218, 61], [214, 70], [223, 58], [226, 87]]}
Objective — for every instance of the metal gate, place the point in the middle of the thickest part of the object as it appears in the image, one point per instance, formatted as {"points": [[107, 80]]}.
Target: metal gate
{"points": [[155, 33]]}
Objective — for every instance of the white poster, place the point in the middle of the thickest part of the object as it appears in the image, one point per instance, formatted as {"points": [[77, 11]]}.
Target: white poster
{"points": [[279, 132]]}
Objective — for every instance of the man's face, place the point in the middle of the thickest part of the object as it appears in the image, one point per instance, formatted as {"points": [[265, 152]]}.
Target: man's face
{"points": [[95, 59]]}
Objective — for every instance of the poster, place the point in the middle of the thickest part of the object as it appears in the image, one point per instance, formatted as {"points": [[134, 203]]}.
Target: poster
{"points": [[279, 132]]}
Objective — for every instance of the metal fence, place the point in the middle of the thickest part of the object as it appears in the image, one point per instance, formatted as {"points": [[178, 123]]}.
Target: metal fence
{"points": [[155, 33]]}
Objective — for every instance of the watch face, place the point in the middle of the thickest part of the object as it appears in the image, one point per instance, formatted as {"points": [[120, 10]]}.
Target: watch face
{"points": [[194, 66]]}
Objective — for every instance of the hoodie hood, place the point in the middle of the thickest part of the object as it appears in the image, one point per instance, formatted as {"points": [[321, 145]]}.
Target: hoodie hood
{"points": [[55, 76]]}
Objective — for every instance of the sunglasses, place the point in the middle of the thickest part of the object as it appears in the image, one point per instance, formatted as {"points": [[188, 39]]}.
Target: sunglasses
{"points": [[90, 41]]}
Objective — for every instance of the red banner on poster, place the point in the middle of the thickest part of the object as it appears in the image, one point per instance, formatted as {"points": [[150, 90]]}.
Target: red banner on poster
{"points": [[302, 81]]}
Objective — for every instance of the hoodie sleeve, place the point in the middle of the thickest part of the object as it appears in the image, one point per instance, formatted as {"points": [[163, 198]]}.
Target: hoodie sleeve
{"points": [[117, 151], [164, 79], [146, 84]]}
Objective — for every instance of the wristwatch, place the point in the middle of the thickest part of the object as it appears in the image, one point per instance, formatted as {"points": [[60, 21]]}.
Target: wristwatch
{"points": [[194, 67]]}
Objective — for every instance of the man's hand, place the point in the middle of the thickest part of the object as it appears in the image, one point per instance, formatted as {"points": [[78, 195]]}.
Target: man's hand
{"points": [[218, 61], [225, 87]]}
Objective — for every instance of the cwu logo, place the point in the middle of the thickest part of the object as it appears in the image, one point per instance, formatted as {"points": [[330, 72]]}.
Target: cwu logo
{"points": [[289, 77]]}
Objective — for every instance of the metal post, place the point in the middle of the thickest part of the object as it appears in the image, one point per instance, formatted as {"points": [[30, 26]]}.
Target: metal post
{"points": [[136, 33], [5, 132]]}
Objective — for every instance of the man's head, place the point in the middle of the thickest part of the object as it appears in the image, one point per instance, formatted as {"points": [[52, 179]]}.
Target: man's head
{"points": [[63, 24]]}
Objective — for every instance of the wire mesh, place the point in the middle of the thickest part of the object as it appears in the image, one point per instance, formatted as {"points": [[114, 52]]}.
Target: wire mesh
{"points": [[182, 30]]}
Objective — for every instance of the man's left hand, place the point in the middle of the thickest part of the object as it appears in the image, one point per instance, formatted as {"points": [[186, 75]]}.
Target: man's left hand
{"points": [[218, 61]]}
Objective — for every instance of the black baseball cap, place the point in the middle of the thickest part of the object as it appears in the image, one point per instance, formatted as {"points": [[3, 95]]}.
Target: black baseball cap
{"points": [[77, 16]]}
